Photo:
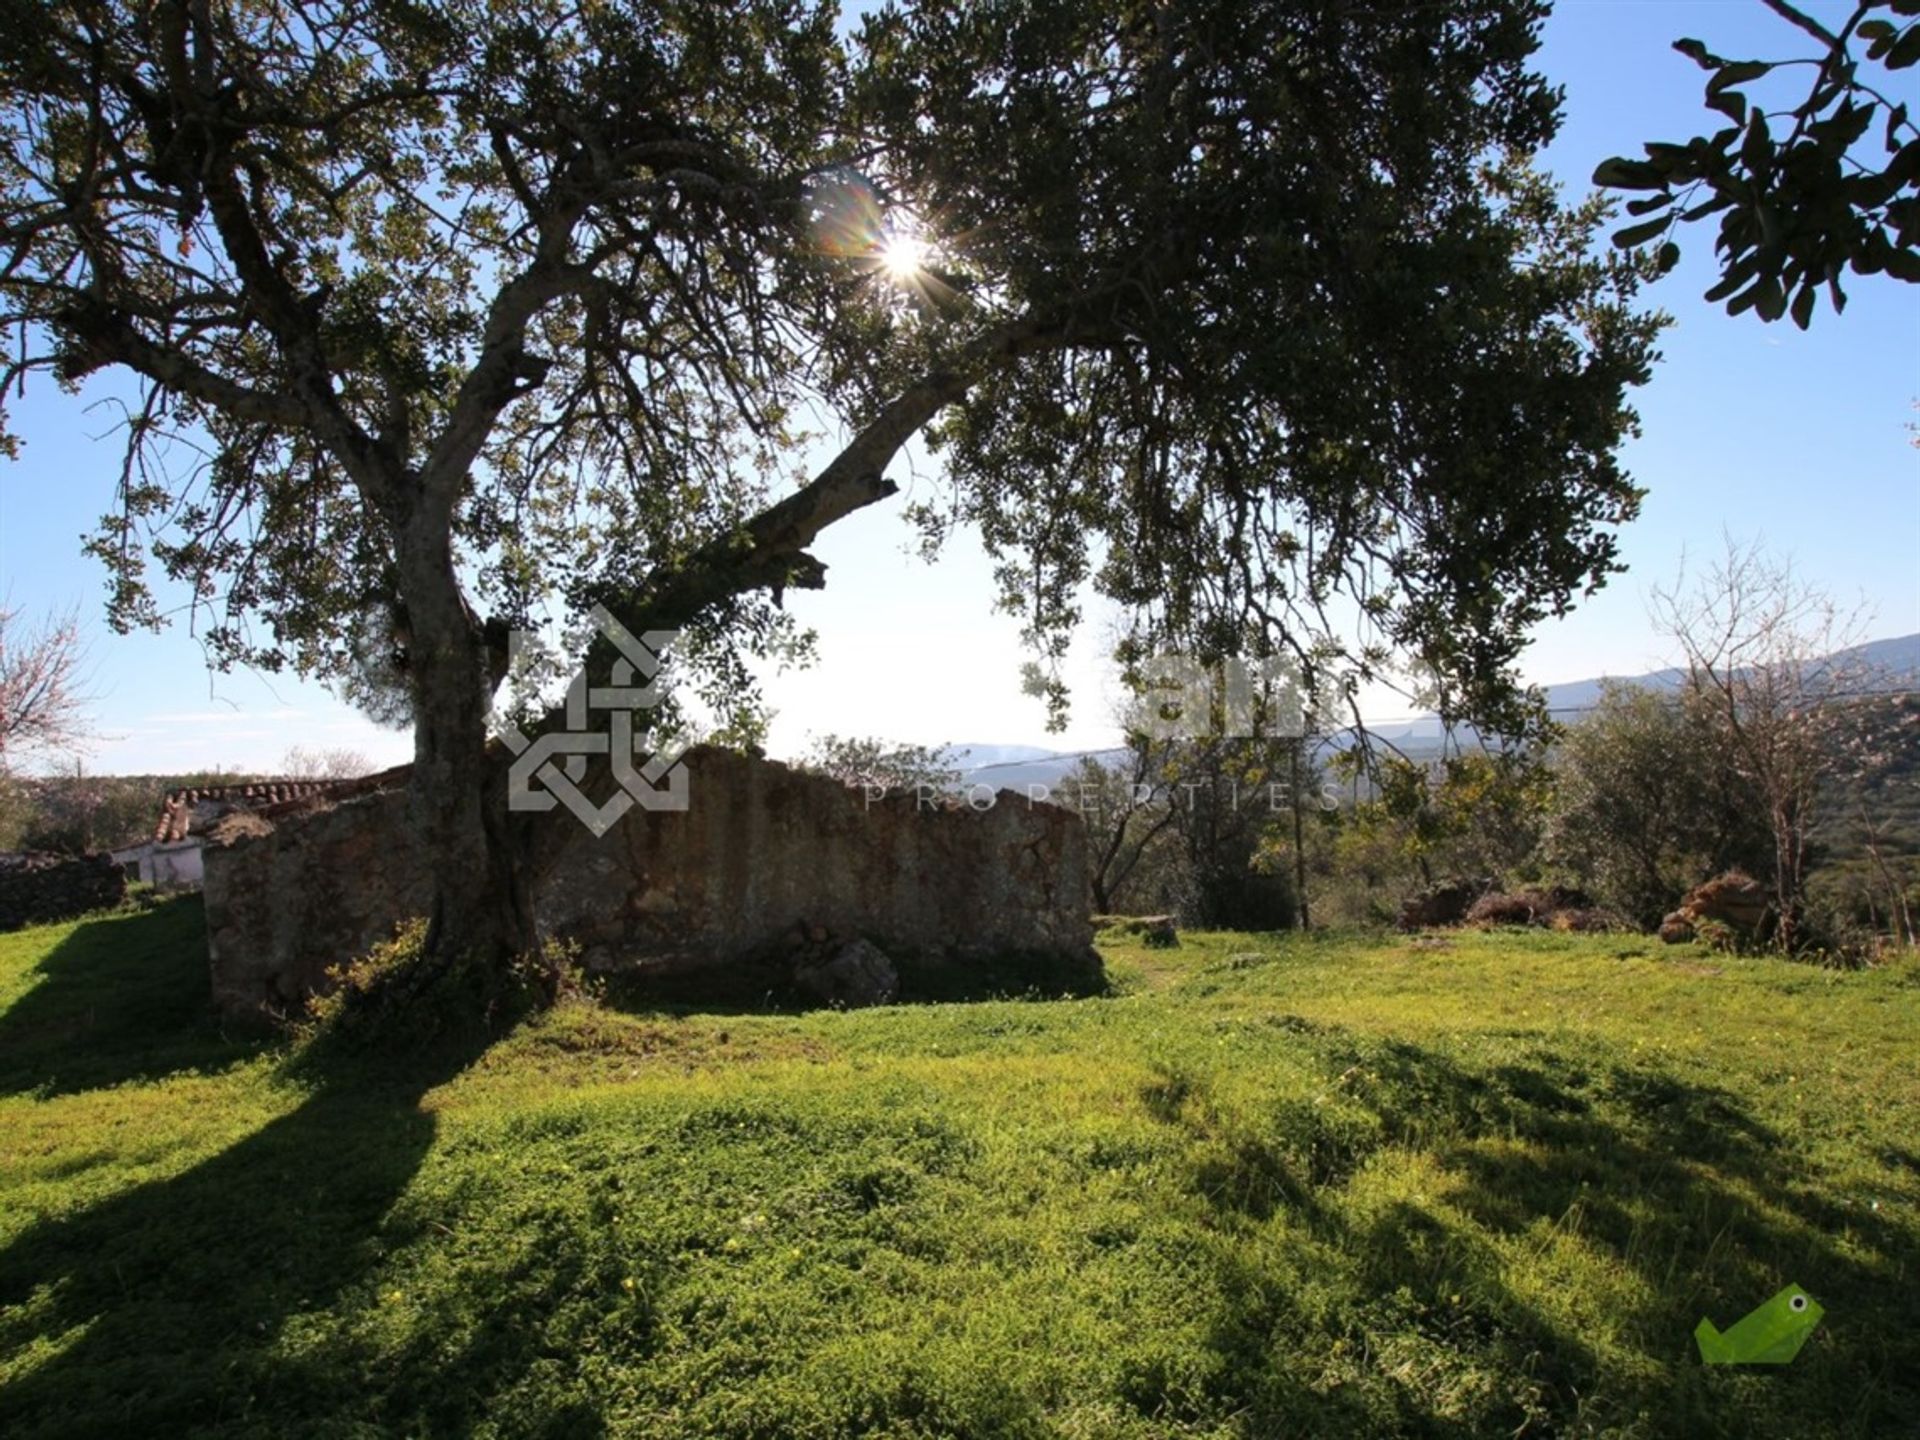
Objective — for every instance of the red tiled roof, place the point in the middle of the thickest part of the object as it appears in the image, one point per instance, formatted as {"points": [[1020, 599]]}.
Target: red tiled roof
{"points": [[180, 808]]}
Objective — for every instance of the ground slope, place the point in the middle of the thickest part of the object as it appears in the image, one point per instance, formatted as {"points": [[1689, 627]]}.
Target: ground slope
{"points": [[1272, 1187]]}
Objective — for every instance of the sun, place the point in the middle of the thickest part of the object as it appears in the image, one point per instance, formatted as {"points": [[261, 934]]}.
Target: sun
{"points": [[903, 256]]}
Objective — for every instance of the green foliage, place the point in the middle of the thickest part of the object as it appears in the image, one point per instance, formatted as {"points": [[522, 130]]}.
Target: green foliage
{"points": [[871, 763], [79, 813], [400, 996], [1192, 828], [542, 295], [1839, 190], [1279, 1186], [1227, 796], [1474, 813], [1651, 803]]}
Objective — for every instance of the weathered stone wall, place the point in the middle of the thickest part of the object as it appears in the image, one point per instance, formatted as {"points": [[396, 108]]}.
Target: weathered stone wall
{"points": [[762, 852], [285, 905], [38, 889]]}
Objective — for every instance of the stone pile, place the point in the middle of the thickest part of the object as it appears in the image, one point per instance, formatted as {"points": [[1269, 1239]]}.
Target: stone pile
{"points": [[1735, 900], [1535, 907], [1445, 904]]}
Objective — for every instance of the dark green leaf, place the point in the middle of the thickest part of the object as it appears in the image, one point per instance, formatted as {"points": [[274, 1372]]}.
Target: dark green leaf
{"points": [[1737, 74], [1756, 150], [1695, 51], [1847, 126], [1803, 306], [1737, 274], [1619, 173], [1905, 166], [1639, 234], [1647, 204], [1903, 264], [1668, 257]]}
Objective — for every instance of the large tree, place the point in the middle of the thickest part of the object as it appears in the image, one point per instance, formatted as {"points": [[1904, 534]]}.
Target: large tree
{"points": [[482, 312]]}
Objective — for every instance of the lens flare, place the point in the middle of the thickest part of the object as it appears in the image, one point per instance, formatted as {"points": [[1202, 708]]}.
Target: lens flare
{"points": [[903, 256]]}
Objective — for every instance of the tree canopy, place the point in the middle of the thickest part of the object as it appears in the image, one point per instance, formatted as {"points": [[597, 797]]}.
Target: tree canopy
{"points": [[451, 316]]}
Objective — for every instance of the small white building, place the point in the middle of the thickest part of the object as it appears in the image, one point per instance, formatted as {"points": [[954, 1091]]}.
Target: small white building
{"points": [[169, 866]]}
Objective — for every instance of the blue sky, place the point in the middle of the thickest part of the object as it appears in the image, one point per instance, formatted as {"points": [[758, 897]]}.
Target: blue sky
{"points": [[1758, 431]]}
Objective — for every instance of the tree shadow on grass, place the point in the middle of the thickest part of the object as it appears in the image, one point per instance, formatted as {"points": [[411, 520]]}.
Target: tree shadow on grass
{"points": [[764, 985], [120, 998], [1674, 1182], [188, 1305]]}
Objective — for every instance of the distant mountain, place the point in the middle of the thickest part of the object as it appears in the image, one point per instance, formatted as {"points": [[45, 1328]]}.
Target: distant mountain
{"points": [[1898, 657], [1024, 765], [972, 757], [1014, 767]]}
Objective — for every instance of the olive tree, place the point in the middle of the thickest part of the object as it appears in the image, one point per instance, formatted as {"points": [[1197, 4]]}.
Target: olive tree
{"points": [[479, 314]]}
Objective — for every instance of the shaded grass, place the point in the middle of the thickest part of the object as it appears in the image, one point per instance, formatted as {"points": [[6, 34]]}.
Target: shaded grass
{"points": [[1270, 1186]]}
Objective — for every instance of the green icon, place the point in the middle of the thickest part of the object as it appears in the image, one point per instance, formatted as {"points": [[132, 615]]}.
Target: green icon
{"points": [[1771, 1335]]}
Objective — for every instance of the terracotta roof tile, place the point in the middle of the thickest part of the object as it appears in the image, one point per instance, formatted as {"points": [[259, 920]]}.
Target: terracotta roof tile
{"points": [[182, 808]]}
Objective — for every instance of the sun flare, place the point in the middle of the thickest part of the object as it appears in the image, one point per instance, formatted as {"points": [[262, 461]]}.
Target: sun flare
{"points": [[903, 256]]}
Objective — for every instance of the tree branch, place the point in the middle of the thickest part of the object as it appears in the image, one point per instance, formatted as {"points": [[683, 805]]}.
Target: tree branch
{"points": [[110, 339], [769, 550], [1806, 22]]}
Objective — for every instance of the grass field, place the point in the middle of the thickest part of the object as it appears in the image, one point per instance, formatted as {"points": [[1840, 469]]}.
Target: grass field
{"points": [[1270, 1187]]}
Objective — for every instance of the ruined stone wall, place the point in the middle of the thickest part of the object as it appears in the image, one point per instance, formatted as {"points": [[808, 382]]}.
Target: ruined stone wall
{"points": [[761, 851], [285, 905], [38, 888]]}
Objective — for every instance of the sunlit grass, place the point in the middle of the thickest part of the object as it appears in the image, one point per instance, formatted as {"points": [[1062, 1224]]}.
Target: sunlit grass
{"points": [[1271, 1186]]}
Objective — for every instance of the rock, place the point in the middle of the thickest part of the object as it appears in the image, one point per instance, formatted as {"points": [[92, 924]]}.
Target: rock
{"points": [[1676, 929], [1501, 909], [1442, 905], [858, 973], [1536, 906], [1735, 900], [1155, 930]]}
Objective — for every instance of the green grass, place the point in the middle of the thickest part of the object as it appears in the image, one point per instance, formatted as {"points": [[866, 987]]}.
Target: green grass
{"points": [[1271, 1187]]}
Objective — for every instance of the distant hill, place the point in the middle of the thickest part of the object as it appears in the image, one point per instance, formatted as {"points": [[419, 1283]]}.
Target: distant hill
{"points": [[1014, 767]]}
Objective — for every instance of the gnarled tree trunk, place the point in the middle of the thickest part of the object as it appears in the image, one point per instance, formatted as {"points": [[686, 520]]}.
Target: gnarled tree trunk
{"points": [[482, 910]]}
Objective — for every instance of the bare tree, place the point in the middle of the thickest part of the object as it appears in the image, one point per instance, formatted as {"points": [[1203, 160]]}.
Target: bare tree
{"points": [[1768, 660], [303, 763], [1126, 808], [43, 702]]}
